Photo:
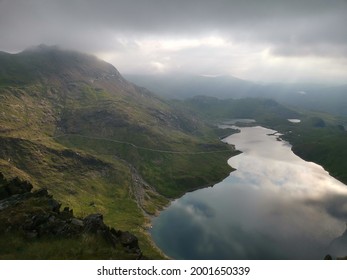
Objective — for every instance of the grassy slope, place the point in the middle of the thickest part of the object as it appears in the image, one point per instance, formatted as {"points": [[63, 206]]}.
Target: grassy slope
{"points": [[150, 126], [51, 127]]}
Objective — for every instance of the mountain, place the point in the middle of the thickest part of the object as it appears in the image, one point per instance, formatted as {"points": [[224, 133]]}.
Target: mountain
{"points": [[314, 97], [72, 124], [329, 99], [182, 86], [260, 109]]}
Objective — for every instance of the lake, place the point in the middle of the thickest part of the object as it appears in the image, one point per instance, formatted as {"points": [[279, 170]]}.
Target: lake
{"points": [[274, 206]]}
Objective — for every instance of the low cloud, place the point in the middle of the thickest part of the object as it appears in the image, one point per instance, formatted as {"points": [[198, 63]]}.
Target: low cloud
{"points": [[234, 37]]}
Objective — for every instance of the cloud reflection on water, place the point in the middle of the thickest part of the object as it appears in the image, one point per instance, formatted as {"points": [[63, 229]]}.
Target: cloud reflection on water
{"points": [[274, 206]]}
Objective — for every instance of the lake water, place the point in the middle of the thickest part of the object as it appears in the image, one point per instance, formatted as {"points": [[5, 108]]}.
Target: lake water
{"points": [[274, 206], [294, 120]]}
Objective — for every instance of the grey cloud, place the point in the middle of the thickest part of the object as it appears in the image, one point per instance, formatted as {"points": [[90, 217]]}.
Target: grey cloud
{"points": [[296, 28], [321, 50], [335, 205], [202, 209], [271, 20]]}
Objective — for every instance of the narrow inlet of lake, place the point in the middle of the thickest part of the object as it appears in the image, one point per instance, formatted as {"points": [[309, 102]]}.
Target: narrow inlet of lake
{"points": [[274, 206]]}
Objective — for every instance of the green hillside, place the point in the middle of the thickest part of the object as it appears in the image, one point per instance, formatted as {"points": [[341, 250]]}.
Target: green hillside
{"points": [[212, 108], [320, 138], [70, 123]]}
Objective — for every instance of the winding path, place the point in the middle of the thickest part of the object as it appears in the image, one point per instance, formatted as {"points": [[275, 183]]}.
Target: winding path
{"points": [[133, 145]]}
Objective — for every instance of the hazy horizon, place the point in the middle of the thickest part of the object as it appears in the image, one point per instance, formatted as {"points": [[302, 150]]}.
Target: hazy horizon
{"points": [[263, 41]]}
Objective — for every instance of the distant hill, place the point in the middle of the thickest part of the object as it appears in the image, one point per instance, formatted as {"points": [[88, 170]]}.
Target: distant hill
{"points": [[317, 137], [330, 99], [71, 123], [260, 109], [182, 86]]}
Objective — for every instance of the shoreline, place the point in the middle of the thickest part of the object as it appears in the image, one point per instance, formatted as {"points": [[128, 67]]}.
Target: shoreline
{"points": [[148, 226]]}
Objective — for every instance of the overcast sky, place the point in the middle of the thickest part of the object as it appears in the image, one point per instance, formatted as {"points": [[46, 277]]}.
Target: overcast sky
{"points": [[260, 40]]}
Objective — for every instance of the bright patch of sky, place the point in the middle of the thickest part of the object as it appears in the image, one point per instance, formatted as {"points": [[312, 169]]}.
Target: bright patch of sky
{"points": [[268, 41]]}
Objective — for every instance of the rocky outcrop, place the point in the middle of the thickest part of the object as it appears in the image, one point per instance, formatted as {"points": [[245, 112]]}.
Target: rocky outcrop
{"points": [[36, 215], [94, 224], [12, 187]]}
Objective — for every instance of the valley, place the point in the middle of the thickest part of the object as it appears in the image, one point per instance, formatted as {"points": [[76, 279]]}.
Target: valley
{"points": [[99, 144]]}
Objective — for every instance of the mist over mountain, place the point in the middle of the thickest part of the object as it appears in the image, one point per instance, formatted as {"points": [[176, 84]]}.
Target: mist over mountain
{"points": [[319, 97]]}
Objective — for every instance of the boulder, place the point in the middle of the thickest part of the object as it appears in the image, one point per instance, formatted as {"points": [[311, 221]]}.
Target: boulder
{"points": [[94, 223], [129, 240], [12, 187], [77, 222]]}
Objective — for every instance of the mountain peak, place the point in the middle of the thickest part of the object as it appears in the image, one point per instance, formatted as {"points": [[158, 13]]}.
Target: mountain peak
{"points": [[42, 48], [53, 63]]}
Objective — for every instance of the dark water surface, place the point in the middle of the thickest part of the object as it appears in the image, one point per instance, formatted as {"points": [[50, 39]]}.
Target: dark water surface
{"points": [[275, 206]]}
